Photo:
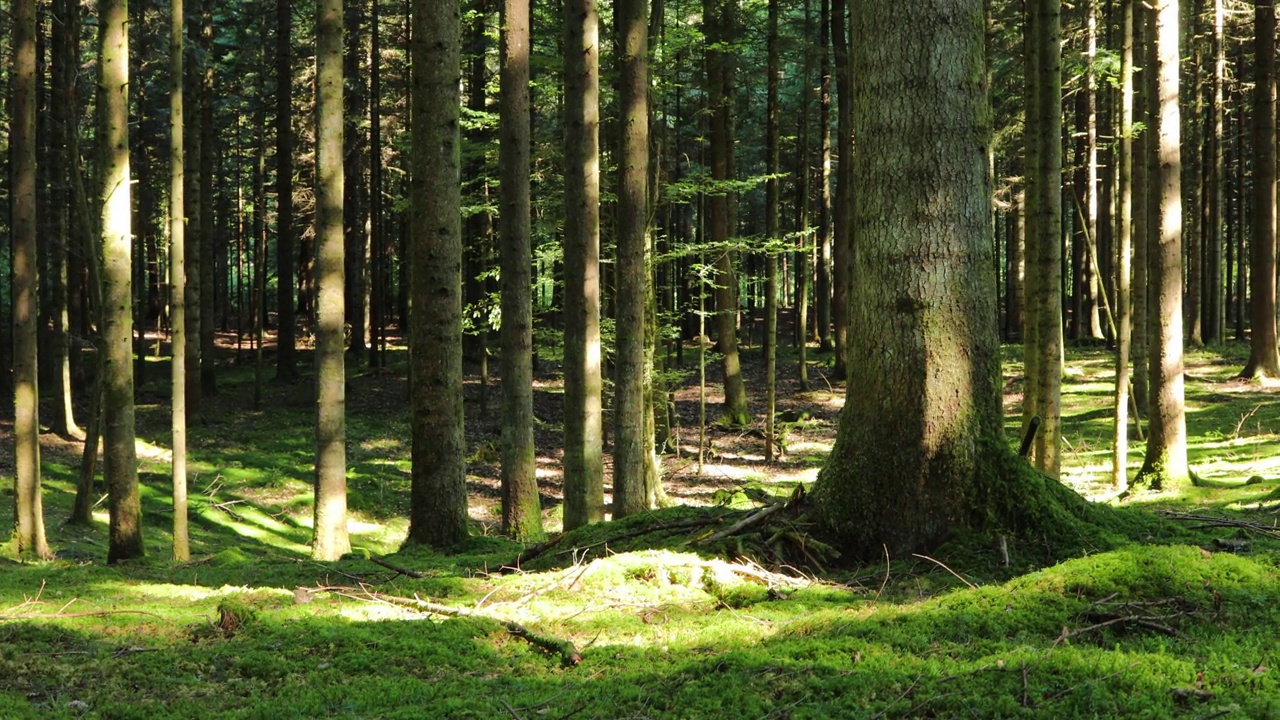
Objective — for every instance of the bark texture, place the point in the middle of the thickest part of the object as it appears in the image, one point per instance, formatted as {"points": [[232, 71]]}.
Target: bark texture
{"points": [[922, 412], [1264, 359], [583, 429], [438, 513]]}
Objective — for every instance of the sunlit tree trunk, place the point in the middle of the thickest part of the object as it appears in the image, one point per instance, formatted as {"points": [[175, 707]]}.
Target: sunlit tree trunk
{"points": [[28, 510], [438, 514], [521, 509], [922, 412], [583, 429], [329, 539], [178, 281], [822, 283], [1165, 465], [355, 155], [1141, 204], [120, 466], [1214, 237]]}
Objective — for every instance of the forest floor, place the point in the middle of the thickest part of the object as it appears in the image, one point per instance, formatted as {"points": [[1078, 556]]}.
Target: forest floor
{"points": [[642, 618]]}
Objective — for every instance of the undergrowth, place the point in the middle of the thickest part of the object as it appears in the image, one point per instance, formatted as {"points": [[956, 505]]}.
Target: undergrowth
{"points": [[1109, 613]]}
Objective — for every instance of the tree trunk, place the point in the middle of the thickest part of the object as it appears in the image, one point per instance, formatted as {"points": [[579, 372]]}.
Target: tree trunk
{"points": [[438, 515], [330, 540], [521, 510], [804, 186], [1264, 360], [1214, 320], [208, 248], [28, 510], [194, 239], [773, 198], [1044, 232], [1165, 465], [842, 205], [1124, 248], [630, 440], [1141, 206], [178, 281], [583, 429], [286, 358], [922, 413], [719, 32], [64, 122], [120, 468], [822, 283]]}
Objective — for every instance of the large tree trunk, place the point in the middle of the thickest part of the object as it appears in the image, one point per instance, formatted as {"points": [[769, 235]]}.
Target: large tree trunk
{"points": [[631, 440], [29, 514], [177, 282], [1165, 465], [120, 465], [1264, 360], [329, 539], [922, 410], [583, 429], [521, 510], [438, 514]]}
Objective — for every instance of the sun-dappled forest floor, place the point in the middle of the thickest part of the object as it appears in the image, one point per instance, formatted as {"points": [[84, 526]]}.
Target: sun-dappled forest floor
{"points": [[1170, 613]]}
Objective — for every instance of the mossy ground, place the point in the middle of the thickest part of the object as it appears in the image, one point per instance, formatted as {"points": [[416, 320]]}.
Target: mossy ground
{"points": [[1144, 618]]}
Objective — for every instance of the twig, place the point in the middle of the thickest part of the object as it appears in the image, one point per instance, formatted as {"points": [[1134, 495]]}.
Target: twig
{"points": [[511, 710], [403, 571], [940, 564], [59, 615], [886, 573], [749, 521], [1218, 521]]}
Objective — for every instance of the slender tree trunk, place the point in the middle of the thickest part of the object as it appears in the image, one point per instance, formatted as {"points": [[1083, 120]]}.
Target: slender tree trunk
{"points": [[1165, 465], [207, 248], [1214, 319], [803, 190], [773, 199], [286, 358], [1141, 208], [63, 122], [194, 210], [843, 203], [822, 284], [720, 225], [28, 507], [330, 540], [1124, 248], [1264, 360], [377, 236], [521, 510], [630, 441], [178, 281], [120, 469], [354, 154], [1045, 232], [583, 430], [438, 515]]}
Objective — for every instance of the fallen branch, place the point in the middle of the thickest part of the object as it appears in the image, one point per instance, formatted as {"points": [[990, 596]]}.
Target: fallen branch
{"points": [[95, 613], [565, 649], [756, 518], [390, 566], [1219, 521]]}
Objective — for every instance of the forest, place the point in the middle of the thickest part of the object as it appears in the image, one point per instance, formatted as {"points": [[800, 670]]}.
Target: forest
{"points": [[654, 358]]}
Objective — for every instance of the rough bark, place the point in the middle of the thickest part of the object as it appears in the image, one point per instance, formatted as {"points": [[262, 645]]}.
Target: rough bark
{"points": [[521, 510], [630, 442], [120, 468], [438, 514], [583, 429], [330, 540], [922, 412]]}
